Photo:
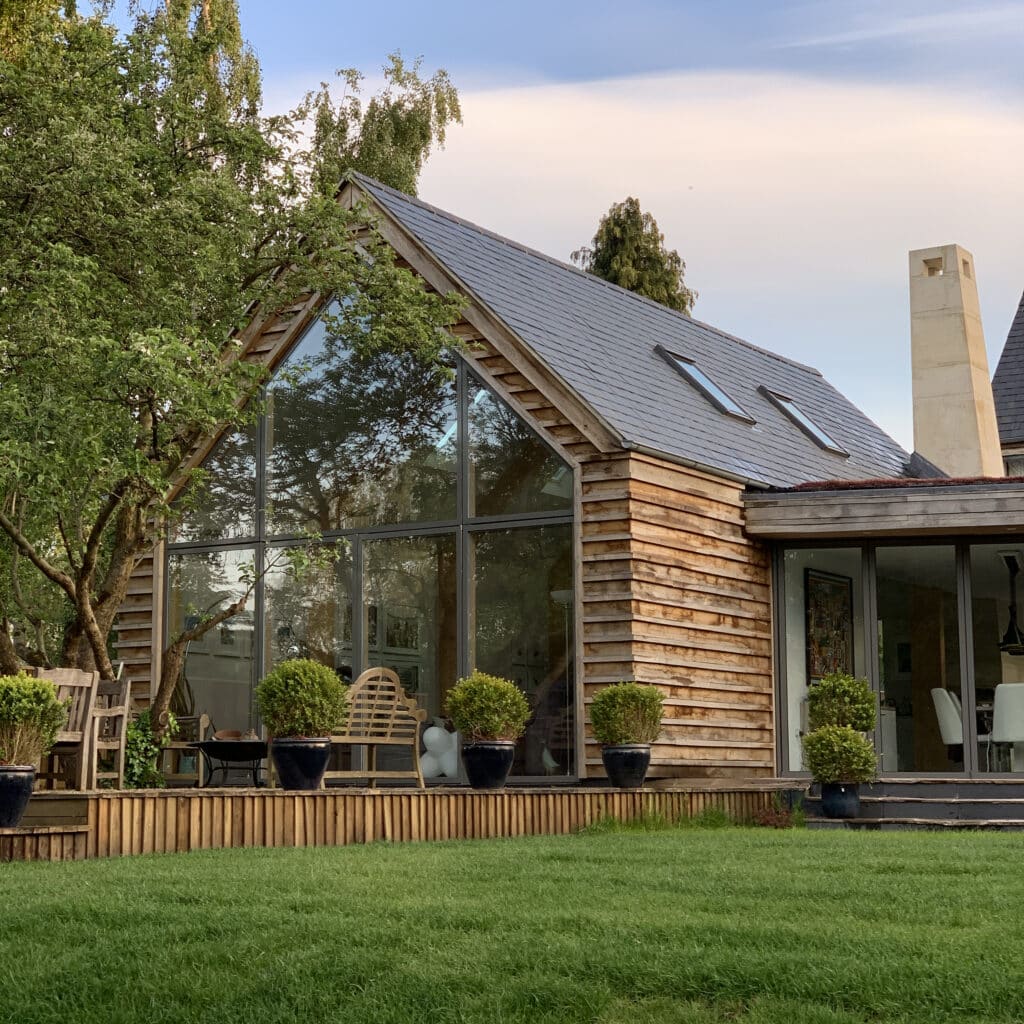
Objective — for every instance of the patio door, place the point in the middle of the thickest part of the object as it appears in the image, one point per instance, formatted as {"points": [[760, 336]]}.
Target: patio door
{"points": [[919, 675]]}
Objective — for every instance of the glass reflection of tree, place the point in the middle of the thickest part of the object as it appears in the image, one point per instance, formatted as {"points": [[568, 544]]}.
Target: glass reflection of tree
{"points": [[514, 471], [222, 500], [200, 585], [409, 586], [311, 616], [362, 440], [523, 631]]}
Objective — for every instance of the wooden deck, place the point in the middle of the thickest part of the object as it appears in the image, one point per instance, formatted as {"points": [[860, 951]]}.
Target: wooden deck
{"points": [[77, 826]]}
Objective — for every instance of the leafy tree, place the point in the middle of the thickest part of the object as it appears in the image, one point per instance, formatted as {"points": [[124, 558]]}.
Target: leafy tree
{"points": [[629, 251], [148, 208]]}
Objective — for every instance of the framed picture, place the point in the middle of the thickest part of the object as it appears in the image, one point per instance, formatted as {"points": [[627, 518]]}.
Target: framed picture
{"points": [[829, 600]]}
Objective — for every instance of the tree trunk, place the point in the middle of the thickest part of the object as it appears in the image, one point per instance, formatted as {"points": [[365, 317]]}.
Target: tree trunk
{"points": [[10, 665]]}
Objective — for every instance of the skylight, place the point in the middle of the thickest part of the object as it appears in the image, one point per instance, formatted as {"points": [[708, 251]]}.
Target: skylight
{"points": [[704, 384], [817, 434]]}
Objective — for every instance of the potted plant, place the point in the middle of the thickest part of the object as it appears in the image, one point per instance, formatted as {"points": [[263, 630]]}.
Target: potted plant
{"points": [[840, 710], [301, 702], [626, 719], [840, 759], [491, 714], [30, 718]]}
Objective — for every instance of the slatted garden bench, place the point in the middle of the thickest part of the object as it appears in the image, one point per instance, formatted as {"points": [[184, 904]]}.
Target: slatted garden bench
{"points": [[380, 715]]}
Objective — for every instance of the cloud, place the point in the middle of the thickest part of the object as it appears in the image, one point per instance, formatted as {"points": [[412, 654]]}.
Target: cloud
{"points": [[793, 201], [934, 26]]}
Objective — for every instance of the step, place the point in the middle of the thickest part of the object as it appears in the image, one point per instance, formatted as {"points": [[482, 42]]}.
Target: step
{"points": [[909, 824], [935, 807]]}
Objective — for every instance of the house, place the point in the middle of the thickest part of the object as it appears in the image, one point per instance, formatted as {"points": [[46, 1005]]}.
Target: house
{"points": [[604, 489]]}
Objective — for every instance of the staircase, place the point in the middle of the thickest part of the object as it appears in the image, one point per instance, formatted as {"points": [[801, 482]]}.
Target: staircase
{"points": [[930, 804]]}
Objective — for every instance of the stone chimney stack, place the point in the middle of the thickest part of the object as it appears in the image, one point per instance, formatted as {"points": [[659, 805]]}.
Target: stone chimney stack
{"points": [[954, 415]]}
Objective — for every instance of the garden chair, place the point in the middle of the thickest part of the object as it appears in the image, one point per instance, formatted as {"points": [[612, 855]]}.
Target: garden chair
{"points": [[110, 717], [67, 759], [380, 714]]}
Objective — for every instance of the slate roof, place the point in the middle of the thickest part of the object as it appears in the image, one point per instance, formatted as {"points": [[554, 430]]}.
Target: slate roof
{"points": [[1008, 383], [600, 340]]}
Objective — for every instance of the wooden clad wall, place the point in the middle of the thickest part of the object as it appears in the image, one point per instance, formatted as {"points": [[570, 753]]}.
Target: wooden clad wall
{"points": [[675, 594]]}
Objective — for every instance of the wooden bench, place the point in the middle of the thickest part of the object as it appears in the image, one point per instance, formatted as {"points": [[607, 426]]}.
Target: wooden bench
{"points": [[381, 715]]}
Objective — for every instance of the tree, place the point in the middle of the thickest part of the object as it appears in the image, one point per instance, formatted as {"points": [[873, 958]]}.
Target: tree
{"points": [[148, 208], [629, 251]]}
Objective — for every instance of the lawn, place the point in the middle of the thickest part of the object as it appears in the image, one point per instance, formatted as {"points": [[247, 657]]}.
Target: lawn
{"points": [[688, 925]]}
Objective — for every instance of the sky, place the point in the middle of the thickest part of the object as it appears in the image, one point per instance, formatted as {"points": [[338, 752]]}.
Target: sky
{"points": [[793, 153]]}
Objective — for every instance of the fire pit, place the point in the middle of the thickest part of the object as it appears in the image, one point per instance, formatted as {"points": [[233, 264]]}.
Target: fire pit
{"points": [[229, 754]]}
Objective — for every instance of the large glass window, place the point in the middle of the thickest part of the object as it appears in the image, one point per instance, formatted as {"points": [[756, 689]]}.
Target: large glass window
{"points": [[358, 441], [918, 658], [998, 633], [221, 503], [410, 622], [522, 628], [511, 469], [309, 614], [393, 464], [824, 629], [219, 668]]}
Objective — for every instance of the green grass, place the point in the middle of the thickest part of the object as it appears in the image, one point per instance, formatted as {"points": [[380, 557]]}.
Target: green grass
{"points": [[661, 927]]}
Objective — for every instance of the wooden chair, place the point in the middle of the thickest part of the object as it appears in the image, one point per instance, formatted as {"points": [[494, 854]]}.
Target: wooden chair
{"points": [[180, 762], [68, 760], [110, 717], [380, 714]]}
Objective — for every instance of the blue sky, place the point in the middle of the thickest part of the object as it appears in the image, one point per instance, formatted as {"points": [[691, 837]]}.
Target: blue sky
{"points": [[792, 152]]}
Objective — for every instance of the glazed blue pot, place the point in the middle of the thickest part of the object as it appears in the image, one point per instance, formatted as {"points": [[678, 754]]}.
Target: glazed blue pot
{"points": [[488, 762], [626, 764], [15, 789], [840, 799], [301, 763]]}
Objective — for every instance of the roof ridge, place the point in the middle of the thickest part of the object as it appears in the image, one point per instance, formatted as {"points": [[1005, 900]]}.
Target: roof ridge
{"points": [[366, 180]]}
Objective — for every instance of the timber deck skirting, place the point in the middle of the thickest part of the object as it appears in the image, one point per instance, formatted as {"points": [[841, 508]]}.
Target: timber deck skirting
{"points": [[114, 824]]}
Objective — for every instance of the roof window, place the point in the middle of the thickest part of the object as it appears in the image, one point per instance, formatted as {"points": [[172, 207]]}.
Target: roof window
{"points": [[704, 384], [817, 434]]}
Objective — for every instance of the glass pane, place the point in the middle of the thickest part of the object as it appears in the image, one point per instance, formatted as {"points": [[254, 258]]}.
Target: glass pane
{"points": [[918, 654], [996, 581], [217, 678], [409, 613], [512, 470], [222, 505], [824, 619], [357, 442], [310, 615], [523, 630]]}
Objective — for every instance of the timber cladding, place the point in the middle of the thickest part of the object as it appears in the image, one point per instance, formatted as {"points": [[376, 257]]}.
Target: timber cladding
{"points": [[675, 594], [168, 821]]}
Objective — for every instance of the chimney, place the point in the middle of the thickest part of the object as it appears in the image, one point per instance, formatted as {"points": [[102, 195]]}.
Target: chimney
{"points": [[954, 415]]}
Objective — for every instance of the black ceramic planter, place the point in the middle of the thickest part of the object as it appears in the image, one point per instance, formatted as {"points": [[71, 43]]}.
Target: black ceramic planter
{"points": [[300, 763], [15, 789], [488, 762], [840, 800], [626, 764]]}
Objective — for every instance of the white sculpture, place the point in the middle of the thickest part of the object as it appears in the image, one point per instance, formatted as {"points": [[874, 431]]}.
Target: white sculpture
{"points": [[442, 755]]}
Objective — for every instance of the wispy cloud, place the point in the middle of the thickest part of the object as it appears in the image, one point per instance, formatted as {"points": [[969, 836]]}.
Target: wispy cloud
{"points": [[934, 26]]}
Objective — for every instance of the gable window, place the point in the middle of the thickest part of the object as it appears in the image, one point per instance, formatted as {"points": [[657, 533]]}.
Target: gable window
{"points": [[450, 523], [704, 384], [816, 433]]}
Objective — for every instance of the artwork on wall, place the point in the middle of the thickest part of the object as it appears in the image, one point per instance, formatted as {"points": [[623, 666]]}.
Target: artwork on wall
{"points": [[829, 601]]}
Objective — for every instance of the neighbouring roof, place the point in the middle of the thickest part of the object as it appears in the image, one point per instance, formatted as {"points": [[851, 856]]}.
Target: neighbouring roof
{"points": [[600, 340], [1008, 383]]}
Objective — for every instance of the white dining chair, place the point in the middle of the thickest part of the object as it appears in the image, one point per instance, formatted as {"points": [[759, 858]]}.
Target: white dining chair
{"points": [[951, 726], [1008, 721]]}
